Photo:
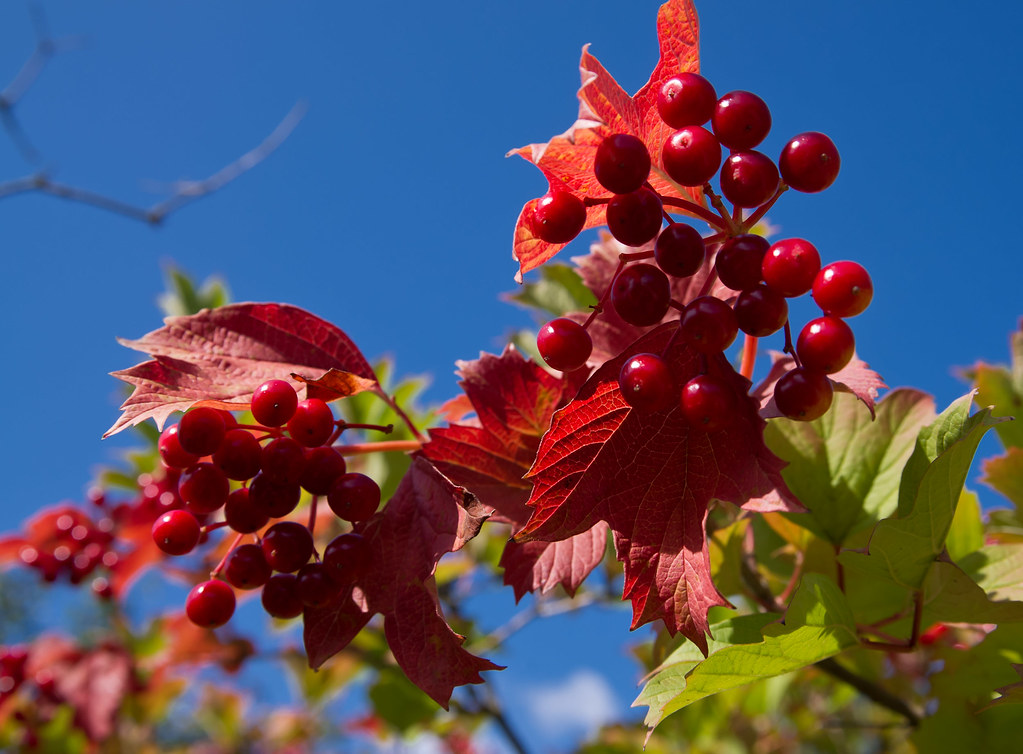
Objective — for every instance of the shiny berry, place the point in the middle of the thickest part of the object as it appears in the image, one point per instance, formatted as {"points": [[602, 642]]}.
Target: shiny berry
{"points": [[761, 311], [354, 497], [283, 461], [280, 596], [741, 120], [809, 162], [203, 487], [680, 250], [686, 100], [273, 499], [564, 345], [558, 217], [312, 424], [287, 545], [708, 324], [622, 163], [749, 179], [691, 156], [843, 289], [803, 395], [646, 383], [322, 467], [825, 344], [176, 532], [640, 294], [238, 455], [708, 403], [210, 604], [273, 403], [201, 430], [345, 557], [634, 218], [739, 261], [246, 568], [171, 452], [790, 266], [242, 515]]}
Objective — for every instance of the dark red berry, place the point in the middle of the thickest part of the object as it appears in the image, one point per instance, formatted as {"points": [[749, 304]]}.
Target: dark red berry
{"points": [[210, 604], [315, 587], [354, 497], [312, 424], [246, 568], [564, 345], [345, 557], [242, 515], [558, 217], [691, 156], [708, 324], [790, 266], [273, 403], [646, 383], [634, 218], [741, 120], [322, 467], [283, 461], [640, 294], [680, 250], [809, 162], [238, 455], [803, 395], [739, 261], [280, 596], [176, 532], [273, 499], [203, 487], [287, 545], [708, 403], [843, 289], [171, 452], [825, 345], [622, 163], [201, 430], [761, 311], [686, 100], [749, 179]]}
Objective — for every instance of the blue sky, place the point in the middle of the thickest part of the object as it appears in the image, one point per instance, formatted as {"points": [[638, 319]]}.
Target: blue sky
{"points": [[390, 209]]}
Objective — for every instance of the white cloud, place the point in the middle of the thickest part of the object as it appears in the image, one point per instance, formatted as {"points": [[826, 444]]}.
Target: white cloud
{"points": [[577, 706]]}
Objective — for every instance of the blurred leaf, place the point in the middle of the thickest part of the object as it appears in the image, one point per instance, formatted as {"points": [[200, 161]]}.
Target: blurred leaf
{"points": [[967, 532], [998, 569], [558, 291], [1002, 389], [1005, 474], [320, 686], [950, 596], [182, 298], [397, 701]]}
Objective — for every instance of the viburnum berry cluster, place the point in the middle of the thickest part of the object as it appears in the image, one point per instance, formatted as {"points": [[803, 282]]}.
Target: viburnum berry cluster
{"points": [[249, 478], [756, 277]]}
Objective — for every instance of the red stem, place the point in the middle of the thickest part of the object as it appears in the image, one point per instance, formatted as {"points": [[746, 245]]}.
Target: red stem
{"points": [[695, 209], [220, 566], [379, 447], [763, 208], [749, 357]]}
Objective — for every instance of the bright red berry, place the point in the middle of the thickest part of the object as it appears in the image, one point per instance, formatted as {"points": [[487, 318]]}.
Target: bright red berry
{"points": [[640, 294], [708, 324], [176, 532], [761, 311], [646, 383], [809, 162], [634, 218], [803, 395], [287, 545], [708, 403], [564, 345], [843, 289], [680, 250], [171, 452], [203, 487], [273, 403], [280, 596], [242, 515], [790, 266], [749, 179], [622, 163], [691, 156], [686, 100], [312, 424], [354, 497], [201, 430], [558, 217], [210, 604], [825, 344], [246, 568], [741, 120], [238, 455], [739, 261]]}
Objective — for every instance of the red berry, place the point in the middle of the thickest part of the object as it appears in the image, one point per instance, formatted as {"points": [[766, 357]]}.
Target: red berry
{"points": [[708, 403], [761, 311], [803, 395], [691, 156], [558, 217], [640, 294], [680, 250], [825, 344], [686, 100], [739, 261], [322, 467], [210, 604], [246, 568], [273, 403], [564, 345], [238, 455], [315, 587], [287, 545], [749, 179], [354, 497], [242, 515], [171, 452], [312, 424], [280, 596], [843, 289], [809, 162], [646, 383], [176, 532], [741, 120], [790, 266], [201, 430], [933, 634], [635, 218], [283, 461], [273, 499], [622, 163], [203, 487], [345, 557], [709, 325]]}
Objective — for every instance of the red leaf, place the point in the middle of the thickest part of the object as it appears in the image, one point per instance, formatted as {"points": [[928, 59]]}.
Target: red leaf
{"points": [[651, 477], [335, 384], [532, 566], [427, 517], [604, 109], [222, 355], [856, 378]]}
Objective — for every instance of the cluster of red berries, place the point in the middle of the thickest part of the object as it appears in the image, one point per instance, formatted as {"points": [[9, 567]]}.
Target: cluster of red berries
{"points": [[12, 670], [288, 450], [66, 542], [762, 274]]}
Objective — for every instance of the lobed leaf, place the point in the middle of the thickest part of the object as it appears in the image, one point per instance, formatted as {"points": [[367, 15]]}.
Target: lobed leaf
{"points": [[1002, 390], [998, 569], [1005, 474]]}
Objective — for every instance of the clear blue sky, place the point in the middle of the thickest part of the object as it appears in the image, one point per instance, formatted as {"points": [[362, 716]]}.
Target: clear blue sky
{"points": [[390, 210]]}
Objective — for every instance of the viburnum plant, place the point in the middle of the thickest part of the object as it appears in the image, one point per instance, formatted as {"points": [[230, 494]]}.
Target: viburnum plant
{"points": [[798, 528]]}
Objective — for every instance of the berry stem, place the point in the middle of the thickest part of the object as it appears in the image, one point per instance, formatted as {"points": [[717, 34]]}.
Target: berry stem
{"points": [[749, 356], [379, 447], [677, 305], [385, 428], [729, 224], [312, 516], [599, 306], [789, 348], [213, 527], [595, 201], [220, 566], [401, 414], [763, 208], [635, 256], [695, 209]]}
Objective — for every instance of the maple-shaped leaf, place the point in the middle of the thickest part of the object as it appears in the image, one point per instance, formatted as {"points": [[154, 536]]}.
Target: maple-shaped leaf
{"points": [[604, 109], [427, 517], [856, 378], [651, 476], [513, 399], [220, 356]]}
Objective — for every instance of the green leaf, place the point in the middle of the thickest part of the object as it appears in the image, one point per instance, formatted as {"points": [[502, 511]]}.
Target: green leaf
{"points": [[844, 467], [818, 624], [950, 596], [967, 532], [560, 289], [998, 569], [1005, 474], [902, 549], [183, 298], [1002, 389], [398, 702]]}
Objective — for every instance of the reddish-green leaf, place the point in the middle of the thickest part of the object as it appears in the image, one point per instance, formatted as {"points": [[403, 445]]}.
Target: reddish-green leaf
{"points": [[222, 355], [856, 378], [651, 477], [605, 108], [1005, 474]]}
